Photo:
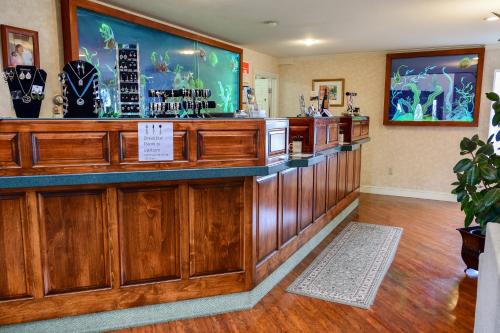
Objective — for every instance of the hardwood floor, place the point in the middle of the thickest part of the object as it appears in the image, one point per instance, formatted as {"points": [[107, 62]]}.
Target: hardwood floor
{"points": [[425, 289]]}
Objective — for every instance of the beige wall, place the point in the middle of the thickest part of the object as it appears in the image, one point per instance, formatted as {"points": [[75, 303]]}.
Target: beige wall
{"points": [[44, 17], [260, 64], [421, 158]]}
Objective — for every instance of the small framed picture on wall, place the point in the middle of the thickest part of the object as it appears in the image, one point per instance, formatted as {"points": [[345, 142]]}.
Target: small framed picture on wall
{"points": [[19, 47], [334, 88]]}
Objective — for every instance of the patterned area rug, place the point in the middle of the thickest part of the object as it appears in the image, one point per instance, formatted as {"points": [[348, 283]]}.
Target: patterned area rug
{"points": [[351, 268]]}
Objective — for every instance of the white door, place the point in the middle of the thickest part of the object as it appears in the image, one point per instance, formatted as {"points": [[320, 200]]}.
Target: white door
{"points": [[262, 94]]}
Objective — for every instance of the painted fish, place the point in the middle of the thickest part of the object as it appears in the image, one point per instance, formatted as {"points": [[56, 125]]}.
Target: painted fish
{"points": [[466, 62], [108, 36], [213, 59], [203, 55], [234, 64]]}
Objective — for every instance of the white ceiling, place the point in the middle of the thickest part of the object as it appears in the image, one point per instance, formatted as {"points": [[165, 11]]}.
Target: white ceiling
{"points": [[342, 25]]}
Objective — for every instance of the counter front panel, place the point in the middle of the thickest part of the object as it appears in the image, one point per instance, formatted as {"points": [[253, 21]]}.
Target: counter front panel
{"points": [[82, 247], [72, 146]]}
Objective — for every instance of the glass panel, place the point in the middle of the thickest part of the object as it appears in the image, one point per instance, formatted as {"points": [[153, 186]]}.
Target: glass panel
{"points": [[166, 61]]}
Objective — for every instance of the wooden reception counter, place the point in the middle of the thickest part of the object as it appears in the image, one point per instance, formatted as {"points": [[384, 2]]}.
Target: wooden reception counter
{"points": [[86, 227]]}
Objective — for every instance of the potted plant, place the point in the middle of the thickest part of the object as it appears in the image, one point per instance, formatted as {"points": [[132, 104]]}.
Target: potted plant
{"points": [[478, 188]]}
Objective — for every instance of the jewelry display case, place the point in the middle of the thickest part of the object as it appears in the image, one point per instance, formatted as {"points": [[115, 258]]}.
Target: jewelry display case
{"points": [[318, 133], [354, 128]]}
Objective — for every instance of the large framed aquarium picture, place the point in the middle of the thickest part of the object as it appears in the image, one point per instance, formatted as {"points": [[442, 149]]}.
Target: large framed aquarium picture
{"points": [[168, 57], [434, 88]]}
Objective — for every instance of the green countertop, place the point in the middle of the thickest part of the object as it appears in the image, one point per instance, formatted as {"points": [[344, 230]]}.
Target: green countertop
{"points": [[9, 182]]}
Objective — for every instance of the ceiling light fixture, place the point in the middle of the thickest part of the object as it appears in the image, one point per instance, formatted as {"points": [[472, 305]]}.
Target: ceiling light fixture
{"points": [[310, 42], [494, 17], [271, 23]]}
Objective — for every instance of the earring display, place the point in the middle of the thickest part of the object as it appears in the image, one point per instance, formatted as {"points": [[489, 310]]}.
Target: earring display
{"points": [[80, 90], [175, 102], [27, 89], [129, 96]]}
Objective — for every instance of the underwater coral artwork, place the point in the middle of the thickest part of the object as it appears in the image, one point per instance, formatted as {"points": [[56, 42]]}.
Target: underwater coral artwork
{"points": [[434, 88], [167, 61]]}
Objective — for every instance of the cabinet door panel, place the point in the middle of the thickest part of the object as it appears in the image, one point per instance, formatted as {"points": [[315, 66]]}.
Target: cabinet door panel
{"points": [[149, 231], [306, 196], [14, 248], [332, 180], [350, 172], [74, 241], [357, 169], [341, 189], [267, 216], [216, 234], [319, 189], [289, 183]]}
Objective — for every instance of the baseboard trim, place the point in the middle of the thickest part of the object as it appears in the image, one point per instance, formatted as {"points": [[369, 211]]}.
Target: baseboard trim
{"points": [[409, 193], [201, 307]]}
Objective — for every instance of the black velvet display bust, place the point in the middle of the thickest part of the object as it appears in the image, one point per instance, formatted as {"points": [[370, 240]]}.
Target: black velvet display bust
{"points": [[80, 89], [27, 89]]}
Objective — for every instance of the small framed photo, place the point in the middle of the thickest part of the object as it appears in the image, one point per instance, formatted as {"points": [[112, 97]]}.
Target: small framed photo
{"points": [[19, 47], [334, 88]]}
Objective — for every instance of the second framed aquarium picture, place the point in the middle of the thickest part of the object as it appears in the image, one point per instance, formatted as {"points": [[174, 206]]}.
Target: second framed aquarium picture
{"points": [[434, 88]]}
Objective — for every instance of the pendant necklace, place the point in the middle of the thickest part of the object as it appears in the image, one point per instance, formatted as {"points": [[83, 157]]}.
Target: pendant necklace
{"points": [[80, 101], [80, 79], [26, 98]]}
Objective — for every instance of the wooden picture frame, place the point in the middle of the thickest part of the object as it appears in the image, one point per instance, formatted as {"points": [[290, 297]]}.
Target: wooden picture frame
{"points": [[331, 83], [19, 46], [438, 54], [70, 30]]}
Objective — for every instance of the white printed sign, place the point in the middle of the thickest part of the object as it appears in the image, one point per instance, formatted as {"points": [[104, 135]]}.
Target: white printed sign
{"points": [[156, 141]]}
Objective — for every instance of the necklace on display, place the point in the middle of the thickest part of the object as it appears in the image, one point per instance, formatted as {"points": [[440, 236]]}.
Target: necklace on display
{"points": [[80, 79], [26, 98], [80, 101]]}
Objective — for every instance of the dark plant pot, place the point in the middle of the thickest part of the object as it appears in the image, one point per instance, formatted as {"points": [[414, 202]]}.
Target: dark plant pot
{"points": [[472, 246]]}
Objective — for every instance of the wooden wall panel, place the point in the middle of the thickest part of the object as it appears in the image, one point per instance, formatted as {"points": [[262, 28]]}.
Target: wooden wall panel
{"points": [[350, 171], [332, 133], [289, 204], [319, 189], [342, 178], [332, 175], [129, 151], [74, 241], [357, 168], [149, 229], [321, 134], [14, 248], [70, 148], [306, 195], [216, 222], [224, 145], [267, 216], [9, 150]]}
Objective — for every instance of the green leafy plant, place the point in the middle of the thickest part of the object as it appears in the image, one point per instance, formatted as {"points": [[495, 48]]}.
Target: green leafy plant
{"points": [[478, 175]]}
